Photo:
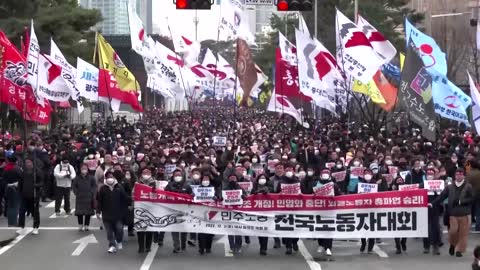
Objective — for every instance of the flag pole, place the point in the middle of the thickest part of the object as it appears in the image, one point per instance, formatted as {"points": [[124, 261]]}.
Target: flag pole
{"points": [[235, 85]]}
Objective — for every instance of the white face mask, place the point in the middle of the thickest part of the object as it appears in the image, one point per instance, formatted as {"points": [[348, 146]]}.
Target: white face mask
{"points": [[388, 162], [110, 181], [174, 161], [84, 171], [254, 160], [293, 160], [317, 151], [262, 181], [375, 171], [196, 176], [284, 157], [430, 177], [337, 150], [128, 176], [339, 166], [356, 163], [182, 164], [91, 156], [205, 183], [325, 176], [177, 179], [368, 177], [422, 163], [193, 167], [146, 176], [97, 156], [289, 174], [310, 173], [302, 174], [129, 158]]}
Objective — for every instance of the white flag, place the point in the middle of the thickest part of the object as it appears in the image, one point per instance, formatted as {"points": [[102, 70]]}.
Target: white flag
{"points": [[137, 31], [384, 49], [317, 71], [289, 51], [68, 74], [33, 62], [51, 84], [87, 79], [355, 54], [233, 22], [302, 25], [281, 104], [475, 103]]}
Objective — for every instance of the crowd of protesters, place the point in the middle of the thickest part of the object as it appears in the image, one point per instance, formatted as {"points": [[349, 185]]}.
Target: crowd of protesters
{"points": [[101, 163]]}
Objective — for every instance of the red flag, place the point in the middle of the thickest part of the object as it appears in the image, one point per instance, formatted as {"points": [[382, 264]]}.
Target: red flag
{"points": [[14, 89], [286, 79]]}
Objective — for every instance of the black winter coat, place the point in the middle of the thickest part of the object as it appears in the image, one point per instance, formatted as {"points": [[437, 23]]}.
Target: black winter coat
{"points": [[84, 188], [112, 203], [29, 182]]}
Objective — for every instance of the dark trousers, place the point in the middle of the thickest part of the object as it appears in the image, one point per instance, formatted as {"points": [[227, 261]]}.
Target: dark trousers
{"points": [[114, 231], [290, 242], [277, 241], [179, 240], [235, 242], [48, 187], [82, 218], [205, 241], [371, 243], [158, 237], [399, 242], [477, 215], [326, 243], [263, 243], [29, 205], [62, 193], [434, 233], [144, 240]]}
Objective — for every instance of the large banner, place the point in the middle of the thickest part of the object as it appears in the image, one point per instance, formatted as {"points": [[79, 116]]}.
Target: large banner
{"points": [[370, 215]]}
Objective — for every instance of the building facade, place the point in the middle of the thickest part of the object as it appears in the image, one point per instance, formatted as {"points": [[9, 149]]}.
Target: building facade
{"points": [[114, 15]]}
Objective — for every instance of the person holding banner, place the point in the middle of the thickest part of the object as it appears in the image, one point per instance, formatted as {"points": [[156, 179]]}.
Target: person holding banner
{"points": [[434, 233], [145, 238], [178, 185], [262, 186], [235, 241], [400, 243], [460, 198], [205, 239], [289, 185]]}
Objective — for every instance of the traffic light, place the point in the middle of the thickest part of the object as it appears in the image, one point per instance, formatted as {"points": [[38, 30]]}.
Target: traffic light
{"points": [[193, 4], [294, 5]]}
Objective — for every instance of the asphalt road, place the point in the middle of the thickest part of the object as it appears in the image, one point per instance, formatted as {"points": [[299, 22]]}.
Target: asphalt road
{"points": [[54, 248]]}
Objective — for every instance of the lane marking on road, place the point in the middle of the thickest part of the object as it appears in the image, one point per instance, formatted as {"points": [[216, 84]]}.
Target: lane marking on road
{"points": [[380, 252], [149, 259], [308, 257], [51, 205], [15, 241]]}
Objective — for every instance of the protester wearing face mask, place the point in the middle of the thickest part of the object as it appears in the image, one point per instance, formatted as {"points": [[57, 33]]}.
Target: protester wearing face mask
{"points": [[235, 241], [367, 178], [84, 187], [262, 186], [434, 233], [64, 174], [205, 239], [452, 164], [416, 175], [289, 178], [112, 205], [460, 198], [178, 185]]}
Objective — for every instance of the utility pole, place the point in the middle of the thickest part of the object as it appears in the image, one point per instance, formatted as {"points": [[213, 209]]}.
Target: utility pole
{"points": [[196, 20], [315, 19], [356, 11]]}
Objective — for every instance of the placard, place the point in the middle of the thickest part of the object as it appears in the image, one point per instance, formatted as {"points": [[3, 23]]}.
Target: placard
{"points": [[339, 176], [329, 165], [357, 171], [170, 168], [290, 189], [247, 186], [232, 197], [161, 184], [408, 187], [367, 188], [404, 175], [434, 186], [204, 194], [219, 141], [326, 190]]}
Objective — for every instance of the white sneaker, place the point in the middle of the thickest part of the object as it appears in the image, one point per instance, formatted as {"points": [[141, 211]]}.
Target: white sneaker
{"points": [[329, 252], [35, 231], [81, 228], [119, 246], [320, 249], [112, 250], [21, 231]]}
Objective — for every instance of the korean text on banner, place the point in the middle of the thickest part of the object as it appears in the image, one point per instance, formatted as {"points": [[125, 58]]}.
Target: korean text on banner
{"points": [[204, 194], [232, 197], [372, 215]]}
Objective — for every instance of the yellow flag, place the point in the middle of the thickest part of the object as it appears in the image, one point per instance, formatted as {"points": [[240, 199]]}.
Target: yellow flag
{"points": [[402, 60], [109, 60], [370, 89]]}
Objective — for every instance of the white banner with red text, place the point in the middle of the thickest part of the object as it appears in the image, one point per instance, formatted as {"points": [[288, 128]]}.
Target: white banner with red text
{"points": [[369, 215]]}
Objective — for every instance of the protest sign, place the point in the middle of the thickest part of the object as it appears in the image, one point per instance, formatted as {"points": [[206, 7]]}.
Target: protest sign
{"points": [[339, 176], [326, 190], [204, 194], [434, 186], [372, 215], [232, 197], [161, 184], [219, 141], [329, 165], [290, 189], [408, 187], [357, 171], [247, 186], [367, 188]]}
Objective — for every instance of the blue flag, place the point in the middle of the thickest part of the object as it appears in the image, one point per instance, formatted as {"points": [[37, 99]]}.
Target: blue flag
{"points": [[431, 54]]}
